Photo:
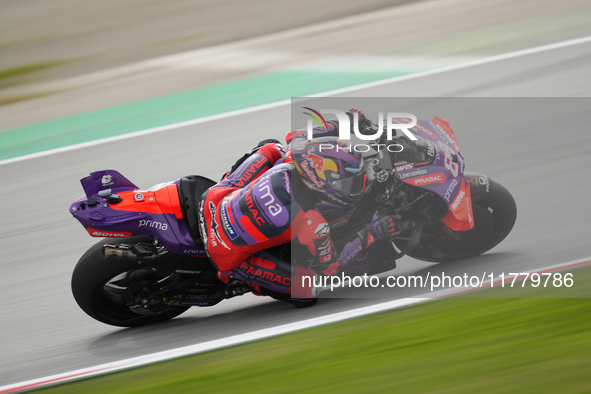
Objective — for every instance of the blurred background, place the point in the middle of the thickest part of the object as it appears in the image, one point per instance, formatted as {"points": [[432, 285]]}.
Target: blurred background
{"points": [[74, 72], [62, 57]]}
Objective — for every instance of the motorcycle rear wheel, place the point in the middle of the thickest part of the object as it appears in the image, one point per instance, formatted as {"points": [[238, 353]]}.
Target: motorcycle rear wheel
{"points": [[494, 217], [100, 287]]}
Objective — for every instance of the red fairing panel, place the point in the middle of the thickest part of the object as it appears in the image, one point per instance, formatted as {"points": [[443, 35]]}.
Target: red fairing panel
{"points": [[460, 217]]}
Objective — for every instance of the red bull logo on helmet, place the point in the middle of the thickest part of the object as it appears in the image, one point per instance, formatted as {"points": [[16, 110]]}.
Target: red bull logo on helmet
{"points": [[316, 162], [320, 164]]}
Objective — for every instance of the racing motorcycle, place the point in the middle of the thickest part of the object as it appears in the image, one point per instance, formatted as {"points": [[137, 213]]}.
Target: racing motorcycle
{"points": [[152, 265]]}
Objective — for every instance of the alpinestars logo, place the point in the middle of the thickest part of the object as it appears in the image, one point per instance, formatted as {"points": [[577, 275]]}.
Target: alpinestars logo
{"points": [[214, 226], [322, 229], [202, 226]]}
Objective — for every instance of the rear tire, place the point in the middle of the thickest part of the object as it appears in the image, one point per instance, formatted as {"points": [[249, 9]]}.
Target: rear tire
{"points": [[96, 297], [494, 217]]}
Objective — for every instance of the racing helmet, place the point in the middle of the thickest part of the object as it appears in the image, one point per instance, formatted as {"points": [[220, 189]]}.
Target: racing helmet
{"points": [[331, 167]]}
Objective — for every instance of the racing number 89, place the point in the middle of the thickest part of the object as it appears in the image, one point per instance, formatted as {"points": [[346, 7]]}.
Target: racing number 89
{"points": [[448, 162]]}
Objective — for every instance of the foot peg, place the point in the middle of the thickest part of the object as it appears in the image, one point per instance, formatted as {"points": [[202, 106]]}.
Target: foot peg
{"points": [[236, 288]]}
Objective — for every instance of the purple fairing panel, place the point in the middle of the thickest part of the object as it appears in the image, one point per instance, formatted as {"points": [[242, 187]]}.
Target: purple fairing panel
{"points": [[265, 203], [431, 162], [101, 220], [106, 179]]}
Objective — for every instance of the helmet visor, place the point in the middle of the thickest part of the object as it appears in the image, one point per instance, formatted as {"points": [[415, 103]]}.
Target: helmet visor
{"points": [[351, 186]]}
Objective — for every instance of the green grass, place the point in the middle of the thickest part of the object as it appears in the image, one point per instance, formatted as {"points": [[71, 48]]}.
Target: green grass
{"points": [[27, 69], [179, 107], [14, 76], [21, 97], [496, 345]]}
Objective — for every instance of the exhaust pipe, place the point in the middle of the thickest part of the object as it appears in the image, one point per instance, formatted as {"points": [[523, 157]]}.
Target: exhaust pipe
{"points": [[138, 252], [118, 252]]}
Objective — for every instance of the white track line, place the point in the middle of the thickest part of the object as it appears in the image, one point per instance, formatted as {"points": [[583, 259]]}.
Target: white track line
{"points": [[491, 59], [252, 336], [286, 328]]}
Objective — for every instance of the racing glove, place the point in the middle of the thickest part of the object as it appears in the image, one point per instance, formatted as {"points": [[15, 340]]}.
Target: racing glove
{"points": [[381, 226], [366, 126], [360, 112]]}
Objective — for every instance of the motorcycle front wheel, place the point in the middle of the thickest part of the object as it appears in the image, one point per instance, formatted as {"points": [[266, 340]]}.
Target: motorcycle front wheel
{"points": [[494, 217]]}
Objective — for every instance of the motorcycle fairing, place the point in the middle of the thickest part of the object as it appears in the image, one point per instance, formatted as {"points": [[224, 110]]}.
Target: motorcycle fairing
{"points": [[447, 132], [104, 180], [155, 213], [459, 217], [164, 200], [435, 162], [93, 232]]}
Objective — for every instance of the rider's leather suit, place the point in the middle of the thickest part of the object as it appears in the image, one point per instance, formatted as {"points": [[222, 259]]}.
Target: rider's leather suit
{"points": [[258, 206]]}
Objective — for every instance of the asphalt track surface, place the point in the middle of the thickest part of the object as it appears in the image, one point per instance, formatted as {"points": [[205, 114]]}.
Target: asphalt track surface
{"points": [[545, 167]]}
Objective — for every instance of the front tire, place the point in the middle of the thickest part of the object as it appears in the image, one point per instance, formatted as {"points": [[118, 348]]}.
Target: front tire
{"points": [[494, 217], [100, 287]]}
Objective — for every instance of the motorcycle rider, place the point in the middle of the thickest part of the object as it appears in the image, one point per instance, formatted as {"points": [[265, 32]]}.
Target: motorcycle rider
{"points": [[268, 198]]}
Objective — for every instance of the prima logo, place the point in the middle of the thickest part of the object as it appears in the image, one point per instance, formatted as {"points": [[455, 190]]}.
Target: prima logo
{"points": [[450, 189], [107, 180], [345, 124], [273, 209], [153, 224]]}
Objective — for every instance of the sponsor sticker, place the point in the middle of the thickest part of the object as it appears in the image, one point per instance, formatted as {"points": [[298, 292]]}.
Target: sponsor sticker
{"points": [[430, 149], [450, 189], [316, 162], [251, 171], [202, 224], [153, 224], [432, 179], [476, 180], [404, 167], [107, 180], [196, 252], [322, 229], [325, 252], [443, 133], [214, 228], [319, 184], [413, 173], [267, 275], [425, 130], [457, 201], [258, 219], [114, 234], [228, 228]]}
